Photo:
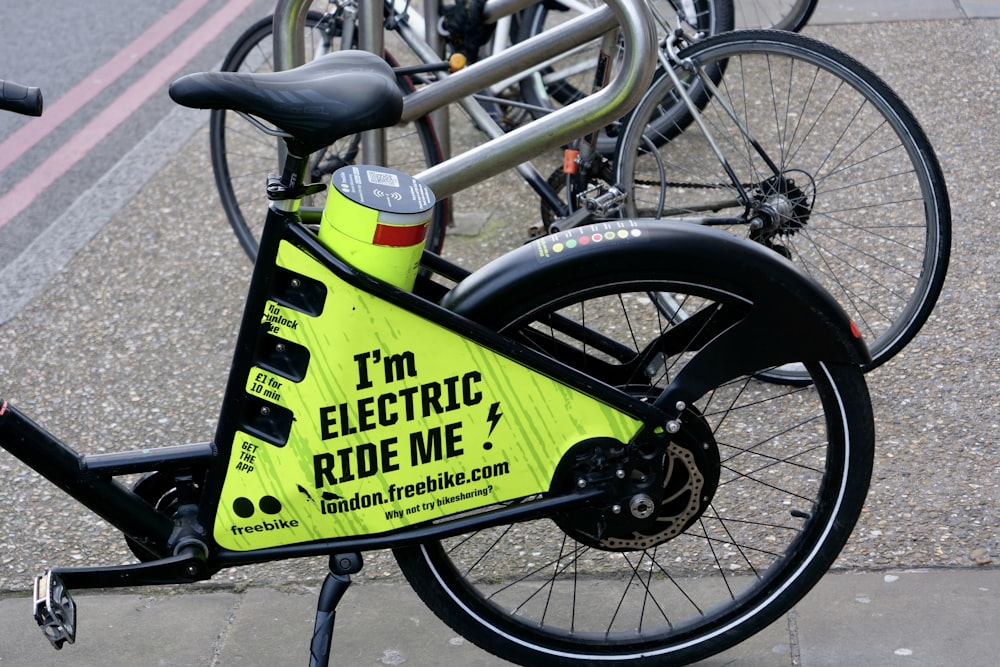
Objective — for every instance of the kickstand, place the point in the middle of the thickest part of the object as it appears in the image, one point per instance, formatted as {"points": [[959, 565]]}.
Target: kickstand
{"points": [[342, 566]]}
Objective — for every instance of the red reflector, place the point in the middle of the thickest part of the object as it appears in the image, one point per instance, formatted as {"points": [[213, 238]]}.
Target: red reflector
{"points": [[570, 156], [854, 330], [397, 236]]}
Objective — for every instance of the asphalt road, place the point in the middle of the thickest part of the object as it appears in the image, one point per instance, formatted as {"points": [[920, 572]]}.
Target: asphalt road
{"points": [[103, 68]]}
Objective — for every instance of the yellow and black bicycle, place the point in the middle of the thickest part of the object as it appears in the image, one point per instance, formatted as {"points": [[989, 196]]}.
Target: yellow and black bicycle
{"points": [[675, 498]]}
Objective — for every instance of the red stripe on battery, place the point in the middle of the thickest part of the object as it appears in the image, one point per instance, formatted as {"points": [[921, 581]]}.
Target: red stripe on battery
{"points": [[398, 236]]}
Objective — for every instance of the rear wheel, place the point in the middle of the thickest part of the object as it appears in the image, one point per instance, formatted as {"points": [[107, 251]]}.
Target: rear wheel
{"points": [[242, 156], [823, 164], [787, 471]]}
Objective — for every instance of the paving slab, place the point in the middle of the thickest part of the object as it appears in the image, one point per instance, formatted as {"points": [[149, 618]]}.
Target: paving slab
{"points": [[911, 618]]}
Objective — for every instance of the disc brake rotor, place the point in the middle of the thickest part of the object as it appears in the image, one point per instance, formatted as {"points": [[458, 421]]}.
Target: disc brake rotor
{"points": [[647, 513]]}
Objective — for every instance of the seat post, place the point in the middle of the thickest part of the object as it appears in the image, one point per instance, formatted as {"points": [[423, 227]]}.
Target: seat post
{"points": [[285, 191]]}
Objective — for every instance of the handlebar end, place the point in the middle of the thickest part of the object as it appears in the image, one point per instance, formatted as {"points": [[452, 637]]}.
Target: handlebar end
{"points": [[26, 100]]}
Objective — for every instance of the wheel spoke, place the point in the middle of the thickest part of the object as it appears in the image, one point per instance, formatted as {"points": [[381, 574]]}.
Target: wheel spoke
{"points": [[578, 584], [859, 203]]}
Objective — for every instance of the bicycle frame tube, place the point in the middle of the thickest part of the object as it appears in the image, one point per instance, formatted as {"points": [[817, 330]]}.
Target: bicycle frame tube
{"points": [[498, 401], [341, 412], [89, 479], [181, 547]]}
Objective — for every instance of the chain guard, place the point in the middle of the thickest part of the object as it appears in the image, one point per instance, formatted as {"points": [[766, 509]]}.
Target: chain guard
{"points": [[159, 489]]}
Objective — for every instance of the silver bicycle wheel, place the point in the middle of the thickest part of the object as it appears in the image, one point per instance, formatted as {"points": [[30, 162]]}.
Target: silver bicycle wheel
{"points": [[826, 165]]}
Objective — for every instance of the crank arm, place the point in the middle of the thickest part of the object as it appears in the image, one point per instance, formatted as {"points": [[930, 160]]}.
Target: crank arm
{"points": [[55, 610], [184, 568]]}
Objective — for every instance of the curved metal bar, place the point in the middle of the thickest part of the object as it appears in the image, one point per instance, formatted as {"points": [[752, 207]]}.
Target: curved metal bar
{"points": [[623, 92], [569, 123], [289, 22]]}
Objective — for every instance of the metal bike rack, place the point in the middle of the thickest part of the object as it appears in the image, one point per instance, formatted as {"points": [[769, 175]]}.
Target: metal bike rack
{"points": [[638, 39]]}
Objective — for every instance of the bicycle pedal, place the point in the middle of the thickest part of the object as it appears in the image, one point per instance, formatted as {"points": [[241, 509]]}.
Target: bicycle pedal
{"points": [[54, 610]]}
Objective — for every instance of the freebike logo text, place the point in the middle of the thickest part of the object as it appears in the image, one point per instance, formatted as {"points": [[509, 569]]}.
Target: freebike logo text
{"points": [[269, 505], [265, 527]]}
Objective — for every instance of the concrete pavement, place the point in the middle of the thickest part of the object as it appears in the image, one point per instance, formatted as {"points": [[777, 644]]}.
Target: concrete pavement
{"points": [[911, 618]]}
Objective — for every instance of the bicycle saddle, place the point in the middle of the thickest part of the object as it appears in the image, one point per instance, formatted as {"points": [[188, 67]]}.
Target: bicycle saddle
{"points": [[336, 95]]}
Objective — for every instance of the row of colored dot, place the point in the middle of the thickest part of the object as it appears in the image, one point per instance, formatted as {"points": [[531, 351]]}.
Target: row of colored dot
{"points": [[596, 237]]}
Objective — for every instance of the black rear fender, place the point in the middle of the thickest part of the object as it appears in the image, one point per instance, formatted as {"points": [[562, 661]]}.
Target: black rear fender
{"points": [[784, 317]]}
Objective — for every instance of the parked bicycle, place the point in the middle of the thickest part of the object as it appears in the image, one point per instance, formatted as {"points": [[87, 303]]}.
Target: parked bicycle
{"points": [[642, 455], [834, 173]]}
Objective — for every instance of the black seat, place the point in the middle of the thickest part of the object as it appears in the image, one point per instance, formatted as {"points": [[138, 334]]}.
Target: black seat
{"points": [[334, 96]]}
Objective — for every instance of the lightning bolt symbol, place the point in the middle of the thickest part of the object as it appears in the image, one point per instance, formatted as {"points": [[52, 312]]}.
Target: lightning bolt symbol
{"points": [[494, 417]]}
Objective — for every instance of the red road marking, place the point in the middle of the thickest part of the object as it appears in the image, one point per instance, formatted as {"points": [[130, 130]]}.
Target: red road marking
{"points": [[30, 134], [21, 195]]}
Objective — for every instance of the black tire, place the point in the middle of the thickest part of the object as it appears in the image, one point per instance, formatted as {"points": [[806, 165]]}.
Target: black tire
{"points": [[791, 15], [572, 78], [242, 156], [795, 468], [865, 212]]}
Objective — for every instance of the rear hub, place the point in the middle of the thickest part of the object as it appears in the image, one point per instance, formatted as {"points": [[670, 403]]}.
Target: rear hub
{"points": [[656, 490]]}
